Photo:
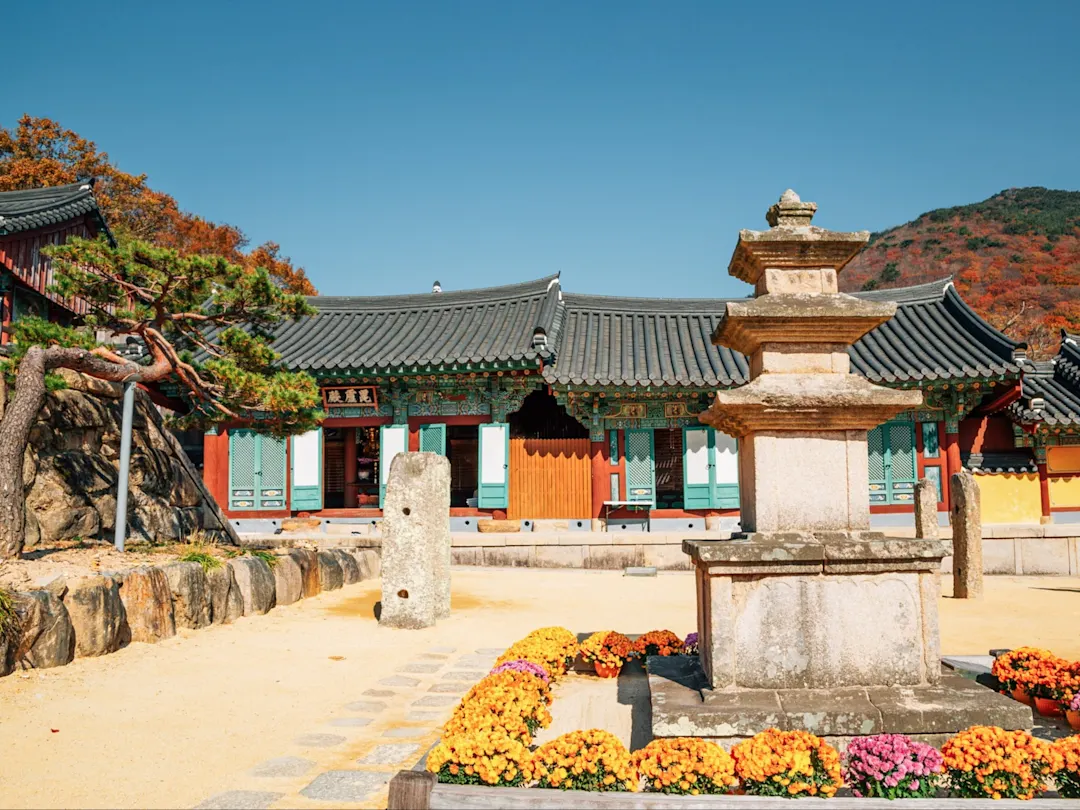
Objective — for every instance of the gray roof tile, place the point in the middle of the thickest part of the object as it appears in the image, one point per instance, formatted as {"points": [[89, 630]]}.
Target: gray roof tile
{"points": [[41, 207], [1054, 386]]}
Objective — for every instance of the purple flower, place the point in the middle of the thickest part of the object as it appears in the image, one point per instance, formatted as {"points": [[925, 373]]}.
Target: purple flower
{"points": [[690, 646], [883, 765], [518, 665], [1074, 704]]}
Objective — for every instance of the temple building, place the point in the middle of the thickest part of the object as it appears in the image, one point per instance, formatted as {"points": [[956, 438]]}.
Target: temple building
{"points": [[29, 221], [583, 408]]}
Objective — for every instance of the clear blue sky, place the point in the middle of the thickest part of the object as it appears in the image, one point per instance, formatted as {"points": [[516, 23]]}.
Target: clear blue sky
{"points": [[623, 143]]}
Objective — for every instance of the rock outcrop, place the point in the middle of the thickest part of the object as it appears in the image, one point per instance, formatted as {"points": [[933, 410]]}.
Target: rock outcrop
{"points": [[226, 602], [47, 638], [288, 580], [309, 570], [190, 594], [70, 470], [331, 577]]}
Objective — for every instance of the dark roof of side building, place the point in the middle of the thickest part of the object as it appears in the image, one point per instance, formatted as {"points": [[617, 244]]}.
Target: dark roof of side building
{"points": [[491, 325], [41, 207], [640, 341], [614, 341], [1051, 389]]}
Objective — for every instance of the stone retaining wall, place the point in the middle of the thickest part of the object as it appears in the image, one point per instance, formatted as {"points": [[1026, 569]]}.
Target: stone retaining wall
{"points": [[99, 614], [1014, 550]]}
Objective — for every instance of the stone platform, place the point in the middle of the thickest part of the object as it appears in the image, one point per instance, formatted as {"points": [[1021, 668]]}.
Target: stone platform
{"points": [[683, 705]]}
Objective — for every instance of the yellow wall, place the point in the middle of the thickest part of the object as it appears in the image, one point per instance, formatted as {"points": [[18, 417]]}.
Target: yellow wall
{"points": [[1010, 498], [1065, 491], [1063, 459]]}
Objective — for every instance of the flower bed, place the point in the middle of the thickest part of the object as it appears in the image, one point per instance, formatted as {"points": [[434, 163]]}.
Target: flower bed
{"points": [[1039, 677], [487, 740]]}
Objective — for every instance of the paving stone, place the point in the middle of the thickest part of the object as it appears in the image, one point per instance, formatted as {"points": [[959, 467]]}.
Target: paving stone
{"points": [[371, 706], [406, 731], [345, 786], [454, 688], [425, 669], [390, 754], [380, 693], [399, 680], [283, 766], [418, 716], [475, 661], [436, 700], [470, 677], [434, 656], [491, 651], [319, 740], [443, 649], [240, 800], [353, 722]]}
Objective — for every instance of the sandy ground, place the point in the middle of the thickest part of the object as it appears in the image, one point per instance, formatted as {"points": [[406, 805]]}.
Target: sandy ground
{"points": [[167, 725]]}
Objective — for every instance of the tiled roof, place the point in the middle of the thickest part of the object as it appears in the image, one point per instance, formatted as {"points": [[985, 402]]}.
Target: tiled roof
{"points": [[1011, 461], [492, 325], [641, 341], [42, 207], [1051, 390]]}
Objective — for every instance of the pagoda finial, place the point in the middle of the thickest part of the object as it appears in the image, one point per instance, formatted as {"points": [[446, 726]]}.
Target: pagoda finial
{"points": [[790, 212]]}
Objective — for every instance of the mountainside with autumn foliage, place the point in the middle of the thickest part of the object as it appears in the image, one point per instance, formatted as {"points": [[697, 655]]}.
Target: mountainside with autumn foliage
{"points": [[1015, 258]]}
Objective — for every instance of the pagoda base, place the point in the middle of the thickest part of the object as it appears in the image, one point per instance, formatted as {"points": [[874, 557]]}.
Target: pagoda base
{"points": [[818, 610], [683, 705]]}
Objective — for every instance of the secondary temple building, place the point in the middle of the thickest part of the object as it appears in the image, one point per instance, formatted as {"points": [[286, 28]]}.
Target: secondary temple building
{"points": [[584, 408]]}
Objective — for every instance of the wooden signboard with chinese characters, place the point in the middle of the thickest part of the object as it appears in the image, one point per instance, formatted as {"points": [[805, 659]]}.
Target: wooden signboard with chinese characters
{"points": [[350, 396]]}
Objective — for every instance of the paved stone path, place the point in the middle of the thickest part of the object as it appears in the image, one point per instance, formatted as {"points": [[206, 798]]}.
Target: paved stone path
{"points": [[348, 760]]}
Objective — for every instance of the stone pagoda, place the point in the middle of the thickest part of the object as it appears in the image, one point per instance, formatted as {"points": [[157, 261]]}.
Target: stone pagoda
{"points": [[807, 619]]}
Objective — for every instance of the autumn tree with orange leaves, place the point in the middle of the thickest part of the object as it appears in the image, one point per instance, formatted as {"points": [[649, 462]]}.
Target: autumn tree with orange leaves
{"points": [[39, 152]]}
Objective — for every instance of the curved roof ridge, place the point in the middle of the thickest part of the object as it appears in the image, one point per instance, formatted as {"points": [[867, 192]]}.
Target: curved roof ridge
{"points": [[914, 294], [31, 208], [430, 300], [589, 301]]}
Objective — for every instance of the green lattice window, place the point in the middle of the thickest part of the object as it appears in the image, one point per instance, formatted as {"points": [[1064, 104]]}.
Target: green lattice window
{"points": [[256, 471], [891, 463]]}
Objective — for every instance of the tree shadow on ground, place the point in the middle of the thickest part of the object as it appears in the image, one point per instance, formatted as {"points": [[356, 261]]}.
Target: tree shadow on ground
{"points": [[633, 691]]}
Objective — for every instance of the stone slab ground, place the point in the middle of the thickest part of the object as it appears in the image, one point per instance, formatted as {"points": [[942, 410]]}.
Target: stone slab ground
{"points": [[180, 722]]}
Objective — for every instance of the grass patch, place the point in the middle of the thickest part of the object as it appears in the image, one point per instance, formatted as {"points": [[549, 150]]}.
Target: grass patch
{"points": [[267, 557], [208, 561]]}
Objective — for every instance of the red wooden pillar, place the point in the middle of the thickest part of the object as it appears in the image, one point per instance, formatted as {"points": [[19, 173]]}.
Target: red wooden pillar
{"points": [[216, 466], [952, 460], [352, 489], [601, 487], [1044, 493]]}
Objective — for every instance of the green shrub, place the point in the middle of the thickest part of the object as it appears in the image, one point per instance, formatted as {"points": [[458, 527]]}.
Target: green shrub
{"points": [[208, 561]]}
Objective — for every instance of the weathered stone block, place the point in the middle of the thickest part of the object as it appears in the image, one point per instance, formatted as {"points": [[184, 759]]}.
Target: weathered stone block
{"points": [[331, 577], [256, 584], [368, 561], [1045, 555], [46, 635], [416, 545], [614, 558], [309, 570], [926, 516], [496, 526], [226, 603], [190, 594], [507, 557], [954, 705], [97, 615], [999, 556], [303, 525], [350, 571], [558, 557], [966, 517], [467, 556], [148, 603], [666, 557], [288, 581]]}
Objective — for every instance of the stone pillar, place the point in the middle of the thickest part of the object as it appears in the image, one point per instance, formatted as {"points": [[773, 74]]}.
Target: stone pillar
{"points": [[966, 516], [926, 501], [416, 541]]}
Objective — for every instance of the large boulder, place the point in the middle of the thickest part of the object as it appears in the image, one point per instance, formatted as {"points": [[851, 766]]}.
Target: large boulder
{"points": [[190, 594], [350, 571], [148, 603], [46, 636], [309, 570], [97, 614], [288, 581], [331, 577], [226, 603], [256, 584]]}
